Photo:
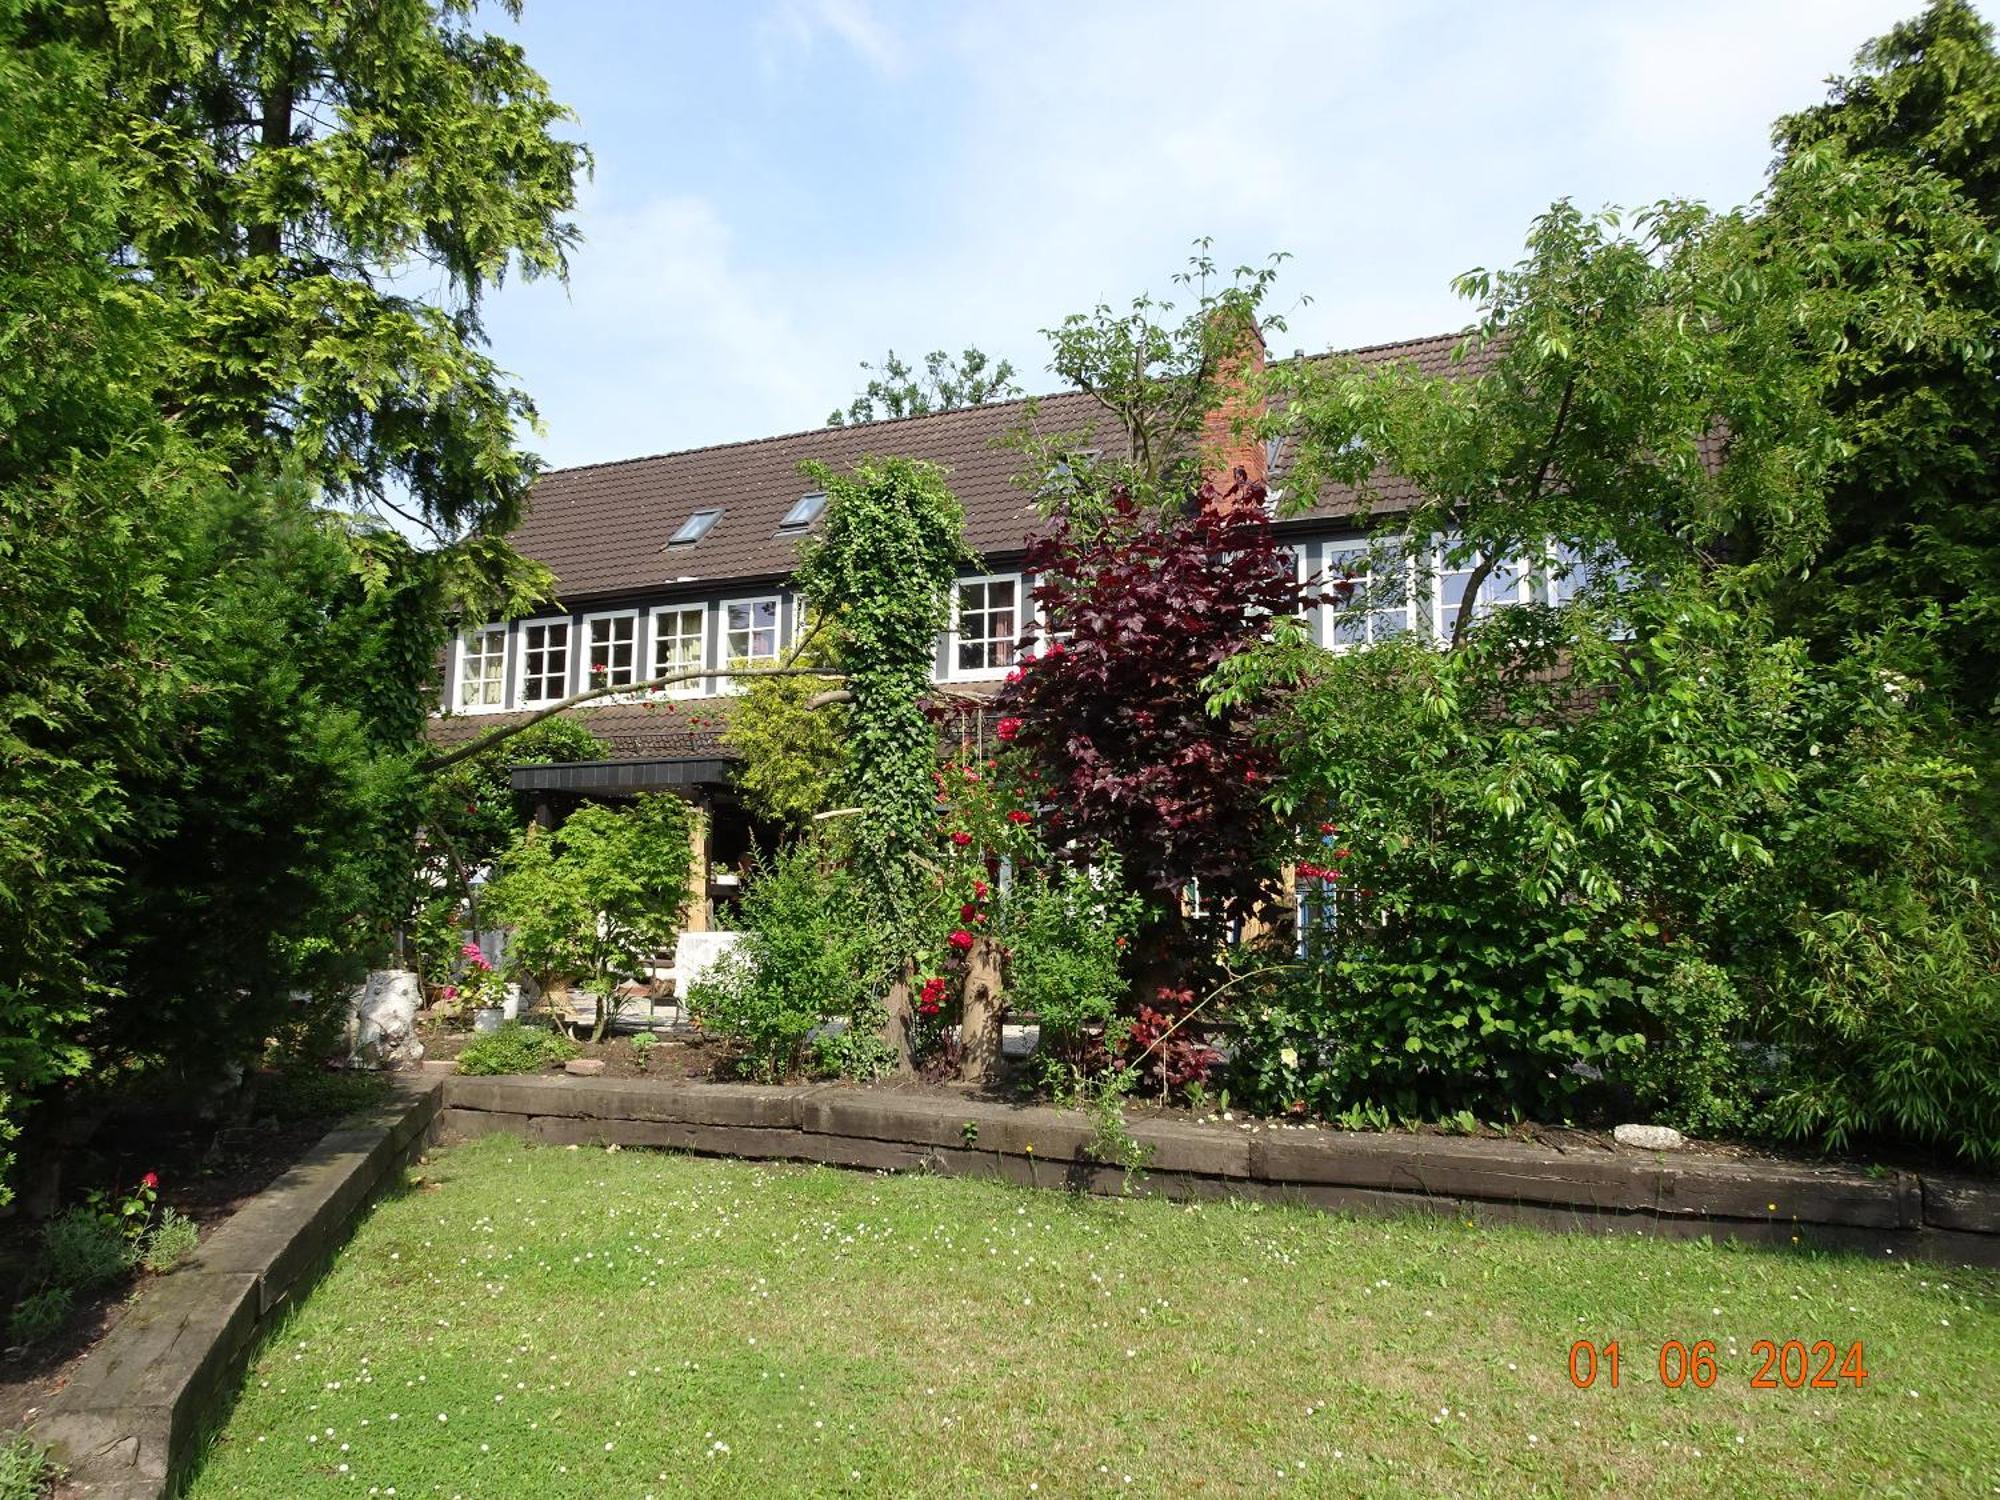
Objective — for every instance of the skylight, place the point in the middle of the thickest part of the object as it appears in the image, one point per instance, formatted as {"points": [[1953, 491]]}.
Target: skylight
{"points": [[805, 512], [694, 528]]}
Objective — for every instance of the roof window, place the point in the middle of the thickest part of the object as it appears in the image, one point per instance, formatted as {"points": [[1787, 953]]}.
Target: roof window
{"points": [[805, 512], [694, 528]]}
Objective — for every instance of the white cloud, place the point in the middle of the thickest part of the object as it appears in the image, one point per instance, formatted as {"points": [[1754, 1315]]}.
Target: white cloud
{"points": [[791, 29]]}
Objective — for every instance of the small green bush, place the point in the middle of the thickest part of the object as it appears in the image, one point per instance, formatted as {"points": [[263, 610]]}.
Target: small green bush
{"points": [[1067, 930], [808, 952], [170, 1243], [34, 1318], [1694, 1073], [515, 1048], [82, 1250]]}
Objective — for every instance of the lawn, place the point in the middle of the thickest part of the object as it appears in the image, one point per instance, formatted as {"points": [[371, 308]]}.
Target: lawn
{"points": [[531, 1321]]}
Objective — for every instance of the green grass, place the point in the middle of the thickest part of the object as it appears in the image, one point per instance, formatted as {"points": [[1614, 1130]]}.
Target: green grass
{"points": [[25, 1471], [530, 1321]]}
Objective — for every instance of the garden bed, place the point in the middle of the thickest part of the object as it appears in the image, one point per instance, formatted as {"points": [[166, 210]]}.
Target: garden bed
{"points": [[669, 1057], [207, 1171], [1765, 1200], [572, 1323], [122, 1422]]}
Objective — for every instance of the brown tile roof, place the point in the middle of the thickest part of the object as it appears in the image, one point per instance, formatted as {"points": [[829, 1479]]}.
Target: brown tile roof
{"points": [[691, 728], [663, 729], [603, 528]]}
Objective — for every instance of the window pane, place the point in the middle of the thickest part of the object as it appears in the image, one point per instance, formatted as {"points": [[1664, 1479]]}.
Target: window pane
{"points": [[544, 662], [613, 651], [482, 678]]}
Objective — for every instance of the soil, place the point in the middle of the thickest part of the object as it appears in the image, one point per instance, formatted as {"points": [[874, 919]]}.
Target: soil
{"points": [[672, 1057], [207, 1170]]}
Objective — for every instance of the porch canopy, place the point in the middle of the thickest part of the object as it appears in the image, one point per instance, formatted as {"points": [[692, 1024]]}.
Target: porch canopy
{"points": [[668, 773]]}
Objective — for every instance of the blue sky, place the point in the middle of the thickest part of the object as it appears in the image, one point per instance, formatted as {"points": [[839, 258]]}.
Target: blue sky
{"points": [[785, 188]]}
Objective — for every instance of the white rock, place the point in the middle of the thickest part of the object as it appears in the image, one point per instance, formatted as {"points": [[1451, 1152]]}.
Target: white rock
{"points": [[1649, 1137], [382, 1020]]}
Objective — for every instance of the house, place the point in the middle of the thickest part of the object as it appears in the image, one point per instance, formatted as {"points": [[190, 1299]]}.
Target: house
{"points": [[683, 561]]}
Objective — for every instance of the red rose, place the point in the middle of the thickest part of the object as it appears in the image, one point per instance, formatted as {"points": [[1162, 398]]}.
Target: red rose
{"points": [[1019, 818], [1340, 854], [1329, 828], [962, 839], [933, 990], [1008, 728], [967, 912], [150, 1180], [1016, 675], [960, 939], [979, 890], [927, 1008]]}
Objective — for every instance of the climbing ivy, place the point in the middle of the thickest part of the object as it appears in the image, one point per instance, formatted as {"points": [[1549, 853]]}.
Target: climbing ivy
{"points": [[893, 544]]}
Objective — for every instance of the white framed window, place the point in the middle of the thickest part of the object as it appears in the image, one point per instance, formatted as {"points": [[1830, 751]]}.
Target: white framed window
{"points": [[986, 626], [544, 663], [1381, 598], [680, 644], [1512, 581], [750, 632], [481, 678], [611, 649]]}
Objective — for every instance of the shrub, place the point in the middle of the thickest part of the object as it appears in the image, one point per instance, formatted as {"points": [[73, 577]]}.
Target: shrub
{"points": [[1067, 931], [1695, 1072], [1607, 856], [1128, 749], [809, 951], [84, 1250], [169, 1244], [34, 1318], [515, 1048], [592, 900]]}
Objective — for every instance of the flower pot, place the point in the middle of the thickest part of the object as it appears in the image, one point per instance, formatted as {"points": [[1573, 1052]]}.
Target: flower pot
{"points": [[488, 1018]]}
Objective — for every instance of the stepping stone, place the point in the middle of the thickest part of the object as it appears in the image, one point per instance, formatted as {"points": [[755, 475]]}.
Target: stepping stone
{"points": [[584, 1067]]}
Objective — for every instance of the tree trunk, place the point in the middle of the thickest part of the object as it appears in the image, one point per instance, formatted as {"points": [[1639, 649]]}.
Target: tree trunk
{"points": [[899, 1025], [980, 1061]]}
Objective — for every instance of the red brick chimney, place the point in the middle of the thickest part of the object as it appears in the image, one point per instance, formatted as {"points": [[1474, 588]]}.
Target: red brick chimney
{"points": [[1229, 437]]}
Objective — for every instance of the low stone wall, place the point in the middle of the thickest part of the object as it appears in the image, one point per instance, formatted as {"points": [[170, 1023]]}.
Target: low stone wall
{"points": [[1950, 1219], [126, 1423]]}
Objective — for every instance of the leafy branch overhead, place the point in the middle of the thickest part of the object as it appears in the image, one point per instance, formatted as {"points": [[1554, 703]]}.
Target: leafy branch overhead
{"points": [[946, 384], [1632, 395], [1156, 377]]}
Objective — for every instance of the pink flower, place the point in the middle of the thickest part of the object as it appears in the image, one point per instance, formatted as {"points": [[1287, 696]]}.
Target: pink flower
{"points": [[449, 992], [150, 1180], [979, 890], [1008, 728], [960, 939]]}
